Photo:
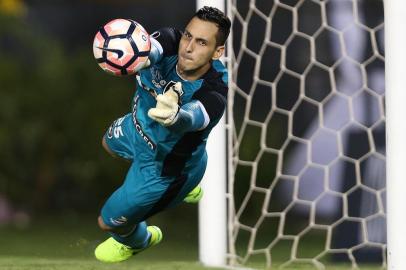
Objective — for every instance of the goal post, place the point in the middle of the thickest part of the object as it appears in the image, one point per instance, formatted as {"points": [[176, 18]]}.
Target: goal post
{"points": [[212, 207], [306, 180], [395, 43]]}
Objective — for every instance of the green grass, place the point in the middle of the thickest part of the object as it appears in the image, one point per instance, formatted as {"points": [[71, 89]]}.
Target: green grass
{"points": [[25, 263], [68, 243], [36, 263]]}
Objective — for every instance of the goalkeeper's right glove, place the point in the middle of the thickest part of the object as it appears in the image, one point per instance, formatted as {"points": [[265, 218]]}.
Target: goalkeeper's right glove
{"points": [[167, 107]]}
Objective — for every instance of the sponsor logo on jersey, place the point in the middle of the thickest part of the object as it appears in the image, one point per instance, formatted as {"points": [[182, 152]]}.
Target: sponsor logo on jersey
{"points": [[139, 129]]}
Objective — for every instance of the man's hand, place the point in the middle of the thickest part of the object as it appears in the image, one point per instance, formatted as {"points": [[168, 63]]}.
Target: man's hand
{"points": [[167, 106]]}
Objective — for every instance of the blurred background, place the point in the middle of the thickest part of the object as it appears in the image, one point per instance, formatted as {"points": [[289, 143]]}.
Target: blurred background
{"points": [[55, 105], [324, 110]]}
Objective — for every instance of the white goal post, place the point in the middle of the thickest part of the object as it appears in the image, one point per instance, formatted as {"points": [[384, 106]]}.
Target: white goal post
{"points": [[212, 207], [395, 43], [328, 57]]}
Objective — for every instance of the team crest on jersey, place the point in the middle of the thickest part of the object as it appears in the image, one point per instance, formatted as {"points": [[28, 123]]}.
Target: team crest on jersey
{"points": [[156, 74], [157, 78]]}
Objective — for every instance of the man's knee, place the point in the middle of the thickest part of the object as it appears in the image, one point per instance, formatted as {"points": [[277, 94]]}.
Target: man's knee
{"points": [[119, 230], [103, 225]]}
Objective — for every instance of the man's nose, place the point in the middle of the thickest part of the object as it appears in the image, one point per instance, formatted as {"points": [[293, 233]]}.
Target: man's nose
{"points": [[189, 47]]}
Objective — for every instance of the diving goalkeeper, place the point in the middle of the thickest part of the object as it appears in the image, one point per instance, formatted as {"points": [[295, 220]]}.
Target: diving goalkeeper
{"points": [[180, 96]]}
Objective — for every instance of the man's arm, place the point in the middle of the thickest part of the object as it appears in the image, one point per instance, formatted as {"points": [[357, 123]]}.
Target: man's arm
{"points": [[192, 116], [164, 42]]}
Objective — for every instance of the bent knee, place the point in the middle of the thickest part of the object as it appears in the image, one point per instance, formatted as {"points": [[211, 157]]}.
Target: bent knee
{"points": [[118, 230], [103, 225]]}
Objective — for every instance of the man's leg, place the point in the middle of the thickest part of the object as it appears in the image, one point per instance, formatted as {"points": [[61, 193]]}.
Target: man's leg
{"points": [[124, 213], [192, 192], [126, 242], [117, 140], [133, 236]]}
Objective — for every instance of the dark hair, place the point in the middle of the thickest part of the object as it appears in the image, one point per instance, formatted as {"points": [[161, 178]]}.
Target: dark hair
{"points": [[216, 16]]}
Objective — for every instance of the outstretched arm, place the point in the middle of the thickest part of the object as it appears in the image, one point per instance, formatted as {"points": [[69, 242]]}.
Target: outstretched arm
{"points": [[164, 42], [191, 116]]}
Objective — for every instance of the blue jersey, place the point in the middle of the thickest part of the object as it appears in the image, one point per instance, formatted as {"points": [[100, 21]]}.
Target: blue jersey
{"points": [[167, 162], [176, 151]]}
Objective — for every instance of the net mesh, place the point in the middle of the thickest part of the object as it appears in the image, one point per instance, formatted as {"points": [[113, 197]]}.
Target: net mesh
{"points": [[307, 133]]}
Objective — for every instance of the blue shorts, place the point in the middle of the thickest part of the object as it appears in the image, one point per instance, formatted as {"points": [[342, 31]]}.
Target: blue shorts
{"points": [[144, 191]]}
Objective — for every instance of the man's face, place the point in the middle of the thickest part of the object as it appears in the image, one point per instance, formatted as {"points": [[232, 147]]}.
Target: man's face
{"points": [[198, 46]]}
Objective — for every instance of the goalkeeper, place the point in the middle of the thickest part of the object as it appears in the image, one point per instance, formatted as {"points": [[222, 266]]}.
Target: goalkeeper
{"points": [[181, 95]]}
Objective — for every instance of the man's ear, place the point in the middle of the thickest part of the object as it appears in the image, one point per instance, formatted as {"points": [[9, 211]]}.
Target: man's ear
{"points": [[218, 52]]}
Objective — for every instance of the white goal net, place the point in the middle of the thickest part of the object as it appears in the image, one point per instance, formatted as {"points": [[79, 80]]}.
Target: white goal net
{"points": [[307, 133]]}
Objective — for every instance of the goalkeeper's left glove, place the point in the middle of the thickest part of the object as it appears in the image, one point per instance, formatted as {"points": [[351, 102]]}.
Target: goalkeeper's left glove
{"points": [[167, 106]]}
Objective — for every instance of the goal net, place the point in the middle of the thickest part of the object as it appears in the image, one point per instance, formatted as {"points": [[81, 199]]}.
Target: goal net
{"points": [[307, 133]]}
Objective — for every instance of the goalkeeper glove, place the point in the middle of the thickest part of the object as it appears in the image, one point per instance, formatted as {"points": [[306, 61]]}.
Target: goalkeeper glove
{"points": [[167, 106]]}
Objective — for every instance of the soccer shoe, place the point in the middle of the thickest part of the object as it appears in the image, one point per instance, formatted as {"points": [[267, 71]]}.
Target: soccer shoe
{"points": [[111, 251], [194, 196]]}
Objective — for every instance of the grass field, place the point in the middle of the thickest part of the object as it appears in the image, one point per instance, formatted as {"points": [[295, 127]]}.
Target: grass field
{"points": [[67, 244]]}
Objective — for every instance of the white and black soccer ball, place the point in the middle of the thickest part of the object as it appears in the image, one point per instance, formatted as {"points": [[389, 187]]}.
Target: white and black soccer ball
{"points": [[121, 47]]}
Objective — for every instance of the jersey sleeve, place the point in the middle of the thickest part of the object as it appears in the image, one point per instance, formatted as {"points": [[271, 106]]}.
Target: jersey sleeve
{"points": [[167, 40], [205, 110], [191, 116]]}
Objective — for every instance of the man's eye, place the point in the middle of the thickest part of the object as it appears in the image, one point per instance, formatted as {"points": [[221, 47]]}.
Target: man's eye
{"points": [[203, 43], [186, 34]]}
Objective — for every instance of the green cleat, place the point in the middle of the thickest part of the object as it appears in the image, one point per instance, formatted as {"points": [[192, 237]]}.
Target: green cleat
{"points": [[194, 196], [111, 251]]}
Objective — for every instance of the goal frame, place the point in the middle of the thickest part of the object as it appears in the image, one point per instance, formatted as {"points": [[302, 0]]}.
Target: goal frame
{"points": [[213, 246], [395, 60], [213, 212]]}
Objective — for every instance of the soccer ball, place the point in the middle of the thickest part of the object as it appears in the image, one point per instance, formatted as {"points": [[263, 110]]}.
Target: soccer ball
{"points": [[121, 47]]}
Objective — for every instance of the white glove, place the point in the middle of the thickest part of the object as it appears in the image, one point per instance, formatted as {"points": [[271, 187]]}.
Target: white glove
{"points": [[167, 106]]}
